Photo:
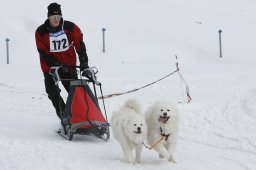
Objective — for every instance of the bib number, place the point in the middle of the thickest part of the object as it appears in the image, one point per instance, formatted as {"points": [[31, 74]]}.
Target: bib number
{"points": [[59, 41]]}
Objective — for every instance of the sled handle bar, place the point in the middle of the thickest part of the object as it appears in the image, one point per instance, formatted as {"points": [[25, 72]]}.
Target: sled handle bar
{"points": [[54, 72], [93, 71]]}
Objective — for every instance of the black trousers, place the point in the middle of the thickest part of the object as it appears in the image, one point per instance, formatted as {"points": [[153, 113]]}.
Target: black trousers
{"points": [[53, 91]]}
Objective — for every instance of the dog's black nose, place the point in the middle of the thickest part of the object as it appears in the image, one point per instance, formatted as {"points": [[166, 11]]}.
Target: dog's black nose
{"points": [[139, 129], [165, 114]]}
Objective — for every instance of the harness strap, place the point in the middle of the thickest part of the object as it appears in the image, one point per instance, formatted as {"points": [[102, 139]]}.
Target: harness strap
{"points": [[164, 135], [154, 144]]}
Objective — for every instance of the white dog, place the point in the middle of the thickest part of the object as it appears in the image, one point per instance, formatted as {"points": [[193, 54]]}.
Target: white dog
{"points": [[163, 124], [130, 129]]}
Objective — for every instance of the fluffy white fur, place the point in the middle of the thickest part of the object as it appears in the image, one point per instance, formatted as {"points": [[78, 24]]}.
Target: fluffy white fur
{"points": [[130, 129], [163, 119]]}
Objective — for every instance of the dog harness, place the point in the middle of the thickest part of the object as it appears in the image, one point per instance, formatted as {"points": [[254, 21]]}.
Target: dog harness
{"points": [[164, 135]]}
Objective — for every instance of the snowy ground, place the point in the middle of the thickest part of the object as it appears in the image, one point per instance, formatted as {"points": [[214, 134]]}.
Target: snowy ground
{"points": [[217, 127]]}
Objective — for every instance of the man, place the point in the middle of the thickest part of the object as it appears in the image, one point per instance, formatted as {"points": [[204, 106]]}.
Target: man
{"points": [[57, 43]]}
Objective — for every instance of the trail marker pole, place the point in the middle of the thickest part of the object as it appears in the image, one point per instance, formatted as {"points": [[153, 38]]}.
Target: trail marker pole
{"points": [[7, 49], [103, 39], [220, 31]]}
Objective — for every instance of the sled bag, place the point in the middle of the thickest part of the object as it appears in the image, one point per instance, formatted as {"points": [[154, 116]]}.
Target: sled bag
{"points": [[82, 108]]}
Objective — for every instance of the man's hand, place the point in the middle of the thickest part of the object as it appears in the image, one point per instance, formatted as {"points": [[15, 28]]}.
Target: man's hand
{"points": [[63, 67]]}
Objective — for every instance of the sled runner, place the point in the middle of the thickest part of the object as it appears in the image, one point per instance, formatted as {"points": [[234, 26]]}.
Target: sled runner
{"points": [[82, 114]]}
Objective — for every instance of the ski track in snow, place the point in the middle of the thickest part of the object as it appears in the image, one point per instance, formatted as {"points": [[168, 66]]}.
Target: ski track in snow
{"points": [[224, 129], [218, 127], [217, 132]]}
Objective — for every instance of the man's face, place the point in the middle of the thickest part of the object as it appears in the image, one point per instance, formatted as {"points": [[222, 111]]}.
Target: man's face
{"points": [[54, 20]]}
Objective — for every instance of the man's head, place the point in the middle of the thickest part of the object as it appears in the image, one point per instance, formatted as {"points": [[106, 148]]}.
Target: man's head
{"points": [[54, 14]]}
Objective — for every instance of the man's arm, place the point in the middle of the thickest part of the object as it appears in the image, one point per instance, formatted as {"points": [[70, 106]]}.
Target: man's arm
{"points": [[79, 45], [83, 58], [41, 47], [50, 61]]}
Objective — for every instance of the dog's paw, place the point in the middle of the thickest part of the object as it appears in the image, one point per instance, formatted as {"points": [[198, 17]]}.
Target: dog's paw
{"points": [[138, 160], [133, 162], [130, 162], [161, 156], [171, 159]]}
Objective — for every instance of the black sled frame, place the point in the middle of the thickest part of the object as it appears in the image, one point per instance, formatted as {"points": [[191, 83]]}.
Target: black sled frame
{"points": [[98, 129]]}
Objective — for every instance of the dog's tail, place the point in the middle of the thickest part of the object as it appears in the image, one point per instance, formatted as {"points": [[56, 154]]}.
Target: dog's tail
{"points": [[133, 104]]}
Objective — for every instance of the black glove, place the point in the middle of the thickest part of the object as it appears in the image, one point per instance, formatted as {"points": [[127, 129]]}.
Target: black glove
{"points": [[86, 73], [63, 68]]}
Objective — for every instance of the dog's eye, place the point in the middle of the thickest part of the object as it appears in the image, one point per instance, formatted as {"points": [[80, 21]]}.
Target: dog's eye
{"points": [[168, 110], [135, 124], [141, 124], [162, 110]]}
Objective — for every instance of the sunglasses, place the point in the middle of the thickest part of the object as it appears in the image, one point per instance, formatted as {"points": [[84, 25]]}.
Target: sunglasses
{"points": [[55, 16]]}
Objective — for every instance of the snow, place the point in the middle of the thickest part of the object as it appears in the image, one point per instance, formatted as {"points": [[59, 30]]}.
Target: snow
{"points": [[217, 127]]}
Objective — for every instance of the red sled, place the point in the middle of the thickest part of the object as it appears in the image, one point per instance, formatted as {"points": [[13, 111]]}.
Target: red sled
{"points": [[82, 114]]}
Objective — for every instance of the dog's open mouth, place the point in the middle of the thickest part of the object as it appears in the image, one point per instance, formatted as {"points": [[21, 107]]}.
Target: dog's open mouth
{"points": [[138, 132], [163, 119]]}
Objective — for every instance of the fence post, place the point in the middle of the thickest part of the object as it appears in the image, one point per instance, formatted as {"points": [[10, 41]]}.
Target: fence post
{"points": [[7, 49], [103, 38], [220, 31]]}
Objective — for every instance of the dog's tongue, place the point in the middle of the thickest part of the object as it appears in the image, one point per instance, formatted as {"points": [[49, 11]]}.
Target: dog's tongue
{"points": [[162, 119]]}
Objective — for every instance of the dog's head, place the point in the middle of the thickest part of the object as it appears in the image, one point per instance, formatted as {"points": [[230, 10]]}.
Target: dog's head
{"points": [[162, 112], [136, 129]]}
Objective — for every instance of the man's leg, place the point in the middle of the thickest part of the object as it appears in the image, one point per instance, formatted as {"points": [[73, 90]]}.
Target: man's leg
{"points": [[54, 94], [69, 76]]}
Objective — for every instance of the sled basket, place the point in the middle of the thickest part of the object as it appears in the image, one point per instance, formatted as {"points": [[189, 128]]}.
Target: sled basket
{"points": [[82, 108], [82, 114]]}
